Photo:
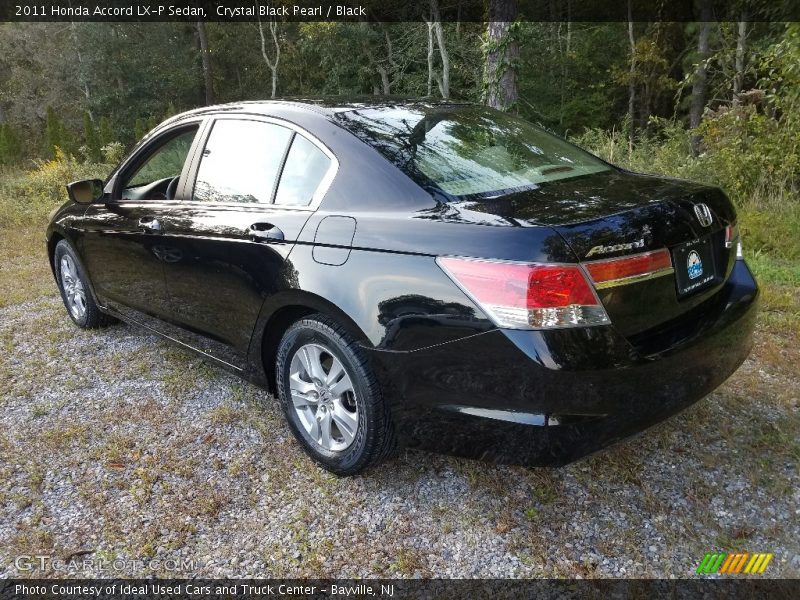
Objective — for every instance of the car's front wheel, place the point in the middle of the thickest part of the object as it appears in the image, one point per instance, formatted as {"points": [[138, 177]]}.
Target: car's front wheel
{"points": [[330, 397], [74, 287]]}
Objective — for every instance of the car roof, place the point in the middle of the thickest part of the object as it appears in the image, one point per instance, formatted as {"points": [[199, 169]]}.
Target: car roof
{"points": [[324, 106]]}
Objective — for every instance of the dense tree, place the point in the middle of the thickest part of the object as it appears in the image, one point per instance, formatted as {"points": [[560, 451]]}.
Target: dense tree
{"points": [[567, 76], [55, 132], [9, 145], [91, 141]]}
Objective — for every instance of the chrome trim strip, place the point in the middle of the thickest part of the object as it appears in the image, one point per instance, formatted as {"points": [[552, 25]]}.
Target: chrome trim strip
{"points": [[633, 278], [627, 257]]}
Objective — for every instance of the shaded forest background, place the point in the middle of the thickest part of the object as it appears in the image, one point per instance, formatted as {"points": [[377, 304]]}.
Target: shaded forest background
{"points": [[80, 86], [717, 102]]}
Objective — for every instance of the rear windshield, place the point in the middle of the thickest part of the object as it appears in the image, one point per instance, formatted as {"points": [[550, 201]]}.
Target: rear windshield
{"points": [[468, 150]]}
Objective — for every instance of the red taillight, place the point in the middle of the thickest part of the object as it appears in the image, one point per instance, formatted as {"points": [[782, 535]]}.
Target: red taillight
{"points": [[527, 296], [629, 269], [734, 239], [731, 235]]}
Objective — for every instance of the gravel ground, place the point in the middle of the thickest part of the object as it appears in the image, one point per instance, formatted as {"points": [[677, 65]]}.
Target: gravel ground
{"points": [[116, 445]]}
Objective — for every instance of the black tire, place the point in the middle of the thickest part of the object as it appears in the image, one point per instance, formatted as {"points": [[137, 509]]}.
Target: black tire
{"points": [[91, 317], [374, 439]]}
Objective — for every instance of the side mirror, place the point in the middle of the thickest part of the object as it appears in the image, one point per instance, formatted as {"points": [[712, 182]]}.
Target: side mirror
{"points": [[86, 191]]}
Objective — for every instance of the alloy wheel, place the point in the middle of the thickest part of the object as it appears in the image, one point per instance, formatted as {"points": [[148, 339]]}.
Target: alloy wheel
{"points": [[74, 291], [323, 397]]}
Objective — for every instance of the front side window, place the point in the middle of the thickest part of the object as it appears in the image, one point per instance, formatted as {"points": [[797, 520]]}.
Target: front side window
{"points": [[241, 162], [165, 163], [468, 151], [306, 166]]}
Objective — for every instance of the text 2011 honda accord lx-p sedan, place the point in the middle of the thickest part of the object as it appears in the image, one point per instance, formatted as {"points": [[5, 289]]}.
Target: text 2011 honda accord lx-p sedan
{"points": [[440, 276]]}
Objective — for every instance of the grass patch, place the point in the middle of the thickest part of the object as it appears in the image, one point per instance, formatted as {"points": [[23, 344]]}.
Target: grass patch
{"points": [[26, 270], [225, 415], [779, 279], [63, 436], [407, 562]]}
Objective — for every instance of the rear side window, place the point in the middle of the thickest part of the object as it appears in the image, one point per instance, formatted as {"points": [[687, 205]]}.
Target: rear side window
{"points": [[305, 168], [241, 162]]}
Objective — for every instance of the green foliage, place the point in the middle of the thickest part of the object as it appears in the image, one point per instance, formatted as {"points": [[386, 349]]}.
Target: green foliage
{"points": [[753, 154], [105, 135], [780, 68], [113, 152], [565, 83], [139, 129], [770, 229], [9, 145], [55, 130], [91, 142], [754, 158], [37, 191]]}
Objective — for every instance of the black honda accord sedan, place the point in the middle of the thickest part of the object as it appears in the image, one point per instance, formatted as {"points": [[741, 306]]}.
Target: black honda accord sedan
{"points": [[417, 274]]}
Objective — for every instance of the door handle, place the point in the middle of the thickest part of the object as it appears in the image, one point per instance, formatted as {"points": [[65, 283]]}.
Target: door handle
{"points": [[265, 232], [150, 224]]}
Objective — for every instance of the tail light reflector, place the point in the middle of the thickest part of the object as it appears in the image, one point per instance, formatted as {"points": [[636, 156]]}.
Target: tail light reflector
{"points": [[527, 296], [731, 235], [629, 269], [733, 238]]}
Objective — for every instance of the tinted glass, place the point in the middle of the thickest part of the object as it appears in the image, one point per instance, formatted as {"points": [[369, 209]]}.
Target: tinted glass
{"points": [[305, 167], [467, 150], [167, 161], [241, 161]]}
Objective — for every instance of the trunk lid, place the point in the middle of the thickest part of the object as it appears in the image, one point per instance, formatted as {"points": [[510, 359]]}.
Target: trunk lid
{"points": [[615, 214]]}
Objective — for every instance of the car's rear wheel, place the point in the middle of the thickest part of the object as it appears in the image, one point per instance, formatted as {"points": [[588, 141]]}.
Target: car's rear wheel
{"points": [[74, 287], [330, 397]]}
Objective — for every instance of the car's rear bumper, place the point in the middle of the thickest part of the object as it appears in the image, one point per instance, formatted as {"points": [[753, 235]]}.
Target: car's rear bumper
{"points": [[550, 397]]}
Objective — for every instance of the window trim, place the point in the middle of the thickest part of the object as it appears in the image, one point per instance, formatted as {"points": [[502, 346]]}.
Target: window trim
{"points": [[316, 199], [143, 153]]}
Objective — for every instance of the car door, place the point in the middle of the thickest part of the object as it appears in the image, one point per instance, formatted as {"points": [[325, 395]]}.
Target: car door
{"points": [[122, 244], [237, 228]]}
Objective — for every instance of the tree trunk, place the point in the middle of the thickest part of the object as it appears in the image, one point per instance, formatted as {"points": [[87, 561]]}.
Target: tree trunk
{"points": [[741, 48], [444, 84], [430, 57], [564, 64], [385, 83], [117, 59], [500, 77], [272, 64], [700, 85], [206, 56], [631, 80], [81, 68], [375, 64]]}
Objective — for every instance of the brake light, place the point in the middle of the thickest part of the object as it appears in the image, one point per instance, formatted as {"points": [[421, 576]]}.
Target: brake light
{"points": [[734, 239], [527, 296], [629, 269], [731, 234]]}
